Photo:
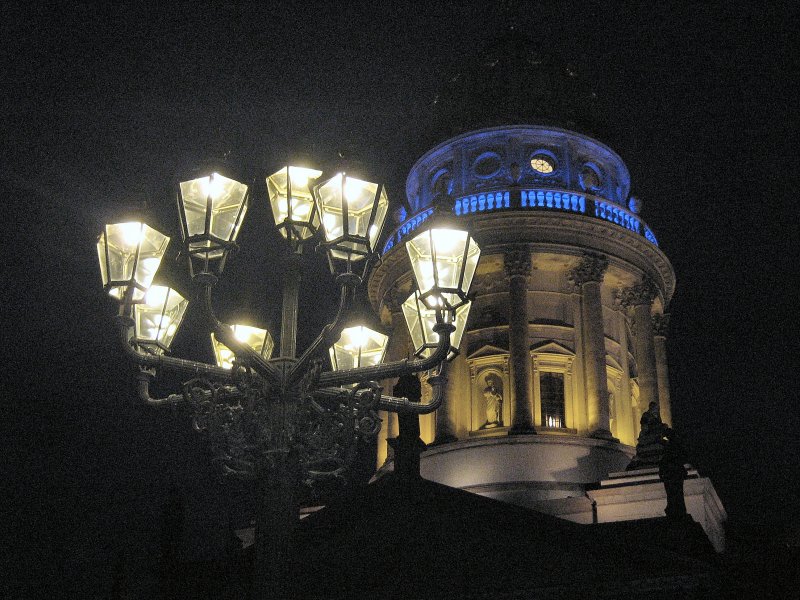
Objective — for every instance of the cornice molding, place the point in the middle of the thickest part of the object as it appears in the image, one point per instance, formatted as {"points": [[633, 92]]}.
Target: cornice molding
{"points": [[555, 231]]}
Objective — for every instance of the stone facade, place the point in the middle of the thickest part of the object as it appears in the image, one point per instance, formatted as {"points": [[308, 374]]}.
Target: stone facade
{"points": [[565, 340]]}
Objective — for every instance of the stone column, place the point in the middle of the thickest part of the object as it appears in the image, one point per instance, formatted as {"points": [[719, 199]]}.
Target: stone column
{"points": [[626, 429], [639, 299], [518, 267], [660, 325], [588, 275]]}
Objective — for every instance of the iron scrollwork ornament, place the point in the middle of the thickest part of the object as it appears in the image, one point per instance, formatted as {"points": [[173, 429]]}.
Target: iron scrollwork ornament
{"points": [[246, 425]]}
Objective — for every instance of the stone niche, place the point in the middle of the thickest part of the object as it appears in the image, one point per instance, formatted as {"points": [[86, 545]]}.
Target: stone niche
{"points": [[490, 392]]}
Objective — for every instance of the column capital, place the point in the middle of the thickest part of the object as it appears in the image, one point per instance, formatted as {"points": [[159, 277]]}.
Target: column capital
{"points": [[517, 262], [590, 267], [642, 293], [660, 325]]}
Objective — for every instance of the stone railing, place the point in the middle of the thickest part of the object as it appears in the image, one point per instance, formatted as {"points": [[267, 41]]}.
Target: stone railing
{"points": [[532, 199]]}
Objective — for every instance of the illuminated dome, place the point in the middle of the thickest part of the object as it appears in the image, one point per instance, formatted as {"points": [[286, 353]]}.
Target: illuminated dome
{"points": [[564, 348]]}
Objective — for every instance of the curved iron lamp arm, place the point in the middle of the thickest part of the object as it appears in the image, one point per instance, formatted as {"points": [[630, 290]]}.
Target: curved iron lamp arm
{"points": [[155, 361], [145, 378], [393, 369], [348, 283], [206, 281], [401, 405]]}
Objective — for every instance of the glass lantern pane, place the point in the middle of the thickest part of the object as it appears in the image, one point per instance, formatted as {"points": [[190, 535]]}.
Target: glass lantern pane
{"points": [[227, 210], [359, 198], [303, 219], [437, 257], [358, 347], [421, 320], [157, 319], [462, 314], [412, 315], [259, 340], [133, 251]]}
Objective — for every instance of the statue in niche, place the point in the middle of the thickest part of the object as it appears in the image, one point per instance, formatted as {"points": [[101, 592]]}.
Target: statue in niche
{"points": [[493, 401]]}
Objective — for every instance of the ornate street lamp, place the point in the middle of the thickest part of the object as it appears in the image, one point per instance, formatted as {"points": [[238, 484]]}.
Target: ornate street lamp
{"points": [[292, 202], [211, 209], [258, 339], [352, 213], [358, 346], [130, 254], [422, 321], [444, 260], [287, 421], [156, 320]]}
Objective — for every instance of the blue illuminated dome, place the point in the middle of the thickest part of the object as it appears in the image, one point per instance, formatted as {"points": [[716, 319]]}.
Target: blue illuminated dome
{"points": [[521, 167]]}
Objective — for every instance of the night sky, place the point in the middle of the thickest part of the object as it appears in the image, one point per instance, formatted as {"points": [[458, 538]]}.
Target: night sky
{"points": [[104, 107]]}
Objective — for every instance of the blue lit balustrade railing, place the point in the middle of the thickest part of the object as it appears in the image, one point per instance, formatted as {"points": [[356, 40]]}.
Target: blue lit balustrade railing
{"points": [[406, 227], [617, 214], [481, 203], [532, 199], [551, 199]]}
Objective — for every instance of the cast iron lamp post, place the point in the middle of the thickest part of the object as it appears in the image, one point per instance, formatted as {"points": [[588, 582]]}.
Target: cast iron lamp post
{"points": [[285, 421]]}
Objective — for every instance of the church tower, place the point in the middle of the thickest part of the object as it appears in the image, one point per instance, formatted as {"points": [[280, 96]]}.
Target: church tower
{"points": [[564, 346]]}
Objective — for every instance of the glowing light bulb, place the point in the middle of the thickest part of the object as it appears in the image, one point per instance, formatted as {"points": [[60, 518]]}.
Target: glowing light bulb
{"points": [[358, 337], [241, 334], [131, 234], [156, 295], [446, 241], [351, 189], [213, 185], [299, 179]]}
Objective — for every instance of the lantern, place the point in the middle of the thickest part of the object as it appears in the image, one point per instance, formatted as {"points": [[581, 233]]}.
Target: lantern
{"points": [[130, 254], [421, 319], [156, 320], [352, 213], [211, 210], [292, 202], [358, 346], [258, 339], [444, 261]]}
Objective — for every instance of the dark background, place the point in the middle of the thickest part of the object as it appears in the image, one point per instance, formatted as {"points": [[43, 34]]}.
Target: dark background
{"points": [[103, 107]]}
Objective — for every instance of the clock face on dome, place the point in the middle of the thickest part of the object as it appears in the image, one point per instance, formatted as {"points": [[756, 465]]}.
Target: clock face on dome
{"points": [[543, 164]]}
